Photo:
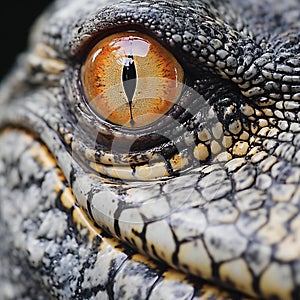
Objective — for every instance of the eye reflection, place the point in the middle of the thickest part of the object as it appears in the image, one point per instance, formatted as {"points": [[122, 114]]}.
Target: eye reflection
{"points": [[131, 80]]}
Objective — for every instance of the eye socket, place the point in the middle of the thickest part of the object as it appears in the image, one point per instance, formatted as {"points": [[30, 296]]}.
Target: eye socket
{"points": [[130, 80]]}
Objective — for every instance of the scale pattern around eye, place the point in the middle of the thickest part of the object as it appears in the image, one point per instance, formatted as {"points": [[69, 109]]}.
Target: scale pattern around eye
{"points": [[131, 80]]}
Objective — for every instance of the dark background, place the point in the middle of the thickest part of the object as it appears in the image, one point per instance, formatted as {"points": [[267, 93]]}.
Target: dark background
{"points": [[16, 18]]}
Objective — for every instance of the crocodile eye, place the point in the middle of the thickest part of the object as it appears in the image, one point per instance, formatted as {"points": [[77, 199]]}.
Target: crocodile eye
{"points": [[130, 80]]}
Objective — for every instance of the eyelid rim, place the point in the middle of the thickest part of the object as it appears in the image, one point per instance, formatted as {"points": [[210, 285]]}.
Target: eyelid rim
{"points": [[78, 96]]}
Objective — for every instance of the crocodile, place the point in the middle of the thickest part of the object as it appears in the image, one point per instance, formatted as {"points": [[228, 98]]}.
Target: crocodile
{"points": [[191, 196]]}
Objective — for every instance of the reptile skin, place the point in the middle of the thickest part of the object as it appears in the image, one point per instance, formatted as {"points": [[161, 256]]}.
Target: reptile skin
{"points": [[214, 216]]}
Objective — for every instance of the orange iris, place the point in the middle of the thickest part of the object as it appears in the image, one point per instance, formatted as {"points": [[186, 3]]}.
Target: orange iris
{"points": [[131, 80]]}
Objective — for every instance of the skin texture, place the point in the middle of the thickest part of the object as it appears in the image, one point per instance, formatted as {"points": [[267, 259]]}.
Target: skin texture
{"points": [[210, 212]]}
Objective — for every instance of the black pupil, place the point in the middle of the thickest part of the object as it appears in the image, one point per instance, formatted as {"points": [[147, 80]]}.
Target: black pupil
{"points": [[129, 82]]}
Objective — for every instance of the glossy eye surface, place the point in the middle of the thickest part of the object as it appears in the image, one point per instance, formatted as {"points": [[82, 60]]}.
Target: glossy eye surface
{"points": [[131, 80]]}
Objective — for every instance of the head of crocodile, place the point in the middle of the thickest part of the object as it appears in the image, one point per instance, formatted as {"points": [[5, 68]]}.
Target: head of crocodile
{"points": [[151, 150]]}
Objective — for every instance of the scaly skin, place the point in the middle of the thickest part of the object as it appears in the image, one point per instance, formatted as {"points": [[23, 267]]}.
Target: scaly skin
{"points": [[81, 221]]}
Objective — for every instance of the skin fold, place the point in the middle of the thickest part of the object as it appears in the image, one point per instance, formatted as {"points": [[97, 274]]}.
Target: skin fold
{"points": [[201, 204]]}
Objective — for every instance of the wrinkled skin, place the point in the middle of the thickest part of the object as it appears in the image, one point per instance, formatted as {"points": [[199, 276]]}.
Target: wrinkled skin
{"points": [[214, 216]]}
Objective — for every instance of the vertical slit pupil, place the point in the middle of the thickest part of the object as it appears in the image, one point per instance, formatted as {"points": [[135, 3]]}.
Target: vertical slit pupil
{"points": [[129, 82]]}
